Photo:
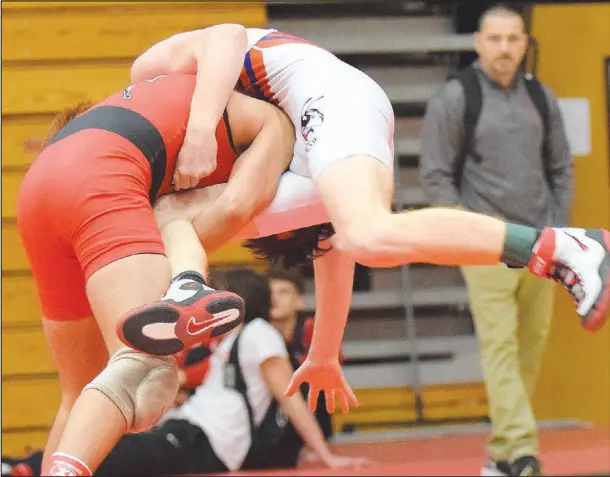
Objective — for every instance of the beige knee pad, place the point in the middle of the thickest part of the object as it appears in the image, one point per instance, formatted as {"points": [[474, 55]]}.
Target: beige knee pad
{"points": [[142, 386]]}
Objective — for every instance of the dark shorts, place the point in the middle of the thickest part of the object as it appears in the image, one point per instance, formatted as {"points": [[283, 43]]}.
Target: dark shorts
{"points": [[175, 447]]}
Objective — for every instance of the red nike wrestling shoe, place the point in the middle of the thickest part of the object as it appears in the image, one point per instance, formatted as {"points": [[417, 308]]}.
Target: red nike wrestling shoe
{"points": [[189, 313]]}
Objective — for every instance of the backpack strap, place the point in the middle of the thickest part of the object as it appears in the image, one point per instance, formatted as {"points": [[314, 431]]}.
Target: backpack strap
{"points": [[238, 382], [473, 100], [264, 438], [538, 97]]}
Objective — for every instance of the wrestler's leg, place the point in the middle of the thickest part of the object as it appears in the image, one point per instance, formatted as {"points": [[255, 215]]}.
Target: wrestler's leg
{"points": [[73, 336], [80, 354], [89, 422], [367, 229], [198, 311], [101, 414], [351, 163], [121, 260]]}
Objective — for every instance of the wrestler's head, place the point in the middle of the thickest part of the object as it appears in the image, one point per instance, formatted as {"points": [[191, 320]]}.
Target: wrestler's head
{"points": [[292, 249]]}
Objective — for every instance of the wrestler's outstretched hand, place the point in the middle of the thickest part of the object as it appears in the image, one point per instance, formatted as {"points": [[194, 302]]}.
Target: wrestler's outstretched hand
{"points": [[326, 376]]}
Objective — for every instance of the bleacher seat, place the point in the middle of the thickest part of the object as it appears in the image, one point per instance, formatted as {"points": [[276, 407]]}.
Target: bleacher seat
{"points": [[378, 35]]}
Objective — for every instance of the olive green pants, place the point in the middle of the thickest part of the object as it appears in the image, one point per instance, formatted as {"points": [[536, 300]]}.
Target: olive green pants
{"points": [[512, 312]]}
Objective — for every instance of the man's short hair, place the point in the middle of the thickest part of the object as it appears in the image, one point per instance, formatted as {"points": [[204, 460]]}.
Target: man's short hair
{"points": [[253, 287], [292, 249], [498, 10], [287, 275]]}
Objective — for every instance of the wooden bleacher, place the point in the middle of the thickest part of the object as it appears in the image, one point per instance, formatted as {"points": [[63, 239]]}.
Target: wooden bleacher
{"points": [[377, 35], [55, 55], [391, 408]]}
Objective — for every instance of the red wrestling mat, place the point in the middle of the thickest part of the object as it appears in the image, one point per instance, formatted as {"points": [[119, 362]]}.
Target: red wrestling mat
{"points": [[564, 452]]}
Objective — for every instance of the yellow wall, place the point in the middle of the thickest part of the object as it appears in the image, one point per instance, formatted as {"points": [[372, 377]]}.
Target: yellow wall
{"points": [[55, 54], [574, 40]]}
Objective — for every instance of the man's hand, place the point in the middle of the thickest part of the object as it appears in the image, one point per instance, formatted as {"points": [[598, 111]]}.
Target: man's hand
{"points": [[196, 159], [323, 376]]}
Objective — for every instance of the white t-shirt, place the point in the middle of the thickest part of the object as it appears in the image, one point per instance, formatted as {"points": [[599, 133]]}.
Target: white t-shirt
{"points": [[221, 412]]}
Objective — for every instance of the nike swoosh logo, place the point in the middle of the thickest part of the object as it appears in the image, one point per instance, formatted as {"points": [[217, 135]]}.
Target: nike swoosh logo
{"points": [[194, 327], [580, 244]]}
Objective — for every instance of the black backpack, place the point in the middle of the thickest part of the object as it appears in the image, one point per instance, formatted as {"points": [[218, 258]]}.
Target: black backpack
{"points": [[474, 102], [265, 438]]}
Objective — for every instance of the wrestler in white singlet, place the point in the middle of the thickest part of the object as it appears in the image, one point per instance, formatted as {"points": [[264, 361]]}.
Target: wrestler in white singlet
{"points": [[337, 110]]}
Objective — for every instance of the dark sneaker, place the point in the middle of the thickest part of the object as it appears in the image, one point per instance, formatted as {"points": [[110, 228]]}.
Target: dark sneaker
{"points": [[526, 466]]}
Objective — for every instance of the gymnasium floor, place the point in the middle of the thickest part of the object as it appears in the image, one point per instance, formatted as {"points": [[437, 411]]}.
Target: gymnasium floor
{"points": [[575, 451]]}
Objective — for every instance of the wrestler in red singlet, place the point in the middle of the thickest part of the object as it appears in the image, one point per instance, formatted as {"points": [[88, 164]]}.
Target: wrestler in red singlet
{"points": [[86, 200]]}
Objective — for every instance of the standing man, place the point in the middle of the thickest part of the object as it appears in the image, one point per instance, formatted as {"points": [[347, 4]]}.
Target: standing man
{"points": [[494, 142]]}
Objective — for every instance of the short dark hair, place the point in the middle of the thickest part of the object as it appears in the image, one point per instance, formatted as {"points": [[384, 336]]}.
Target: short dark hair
{"points": [[287, 275], [254, 288], [499, 9], [292, 249]]}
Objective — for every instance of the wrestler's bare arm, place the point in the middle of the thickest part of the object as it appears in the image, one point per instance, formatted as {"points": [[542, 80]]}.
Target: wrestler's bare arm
{"points": [[334, 279], [185, 205], [266, 136], [215, 54], [295, 205]]}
